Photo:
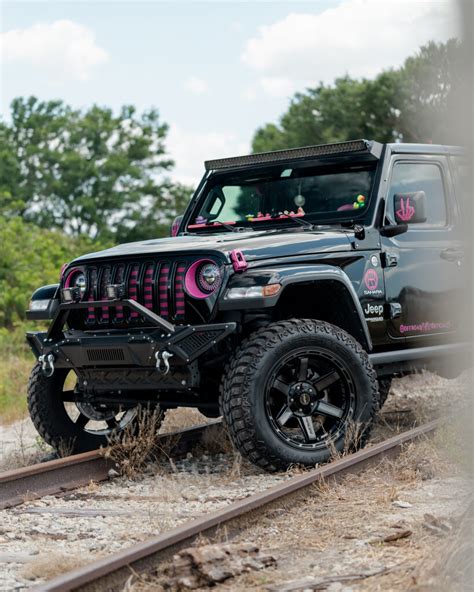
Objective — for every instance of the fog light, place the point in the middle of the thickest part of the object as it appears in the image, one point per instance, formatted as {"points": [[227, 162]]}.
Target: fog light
{"points": [[71, 294], [39, 305], [115, 291]]}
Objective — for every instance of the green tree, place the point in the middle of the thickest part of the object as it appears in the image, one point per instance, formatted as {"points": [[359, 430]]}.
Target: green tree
{"points": [[88, 172], [152, 220], [32, 257], [431, 82], [410, 104]]}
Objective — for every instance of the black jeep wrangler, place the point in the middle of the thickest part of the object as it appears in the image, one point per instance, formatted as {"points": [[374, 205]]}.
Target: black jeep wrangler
{"points": [[293, 289]]}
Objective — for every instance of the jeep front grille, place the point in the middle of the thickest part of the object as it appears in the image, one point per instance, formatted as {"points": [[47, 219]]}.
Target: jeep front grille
{"points": [[158, 285]]}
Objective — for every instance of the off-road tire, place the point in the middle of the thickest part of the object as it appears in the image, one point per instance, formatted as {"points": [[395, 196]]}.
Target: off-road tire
{"points": [[243, 386], [384, 390], [51, 420]]}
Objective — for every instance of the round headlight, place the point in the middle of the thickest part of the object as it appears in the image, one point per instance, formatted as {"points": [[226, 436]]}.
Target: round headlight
{"points": [[209, 277], [76, 278], [202, 279]]}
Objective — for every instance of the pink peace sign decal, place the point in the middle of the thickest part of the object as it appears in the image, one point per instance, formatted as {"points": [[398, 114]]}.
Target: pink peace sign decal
{"points": [[406, 211]]}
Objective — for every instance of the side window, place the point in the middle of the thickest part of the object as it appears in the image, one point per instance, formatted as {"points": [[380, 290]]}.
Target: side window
{"points": [[417, 183]]}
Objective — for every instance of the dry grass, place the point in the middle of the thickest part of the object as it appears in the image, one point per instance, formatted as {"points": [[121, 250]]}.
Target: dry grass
{"points": [[26, 451], [136, 446], [423, 396], [354, 526], [14, 373], [452, 566], [19, 459], [138, 449], [52, 564], [215, 440]]}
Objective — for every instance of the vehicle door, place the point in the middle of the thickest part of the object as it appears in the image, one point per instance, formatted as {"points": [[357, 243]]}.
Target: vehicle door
{"points": [[423, 267]]}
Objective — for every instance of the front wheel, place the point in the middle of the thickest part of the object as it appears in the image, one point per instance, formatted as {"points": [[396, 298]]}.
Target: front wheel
{"points": [[296, 391], [72, 427]]}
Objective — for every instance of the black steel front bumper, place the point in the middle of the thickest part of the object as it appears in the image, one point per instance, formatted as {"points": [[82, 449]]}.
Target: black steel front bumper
{"points": [[133, 348]]}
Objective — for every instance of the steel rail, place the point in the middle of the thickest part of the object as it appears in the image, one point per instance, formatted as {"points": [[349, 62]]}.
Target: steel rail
{"points": [[110, 573], [64, 474]]}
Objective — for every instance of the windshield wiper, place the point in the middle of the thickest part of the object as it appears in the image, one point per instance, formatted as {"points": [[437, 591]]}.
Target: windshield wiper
{"points": [[217, 223], [301, 222], [227, 226]]}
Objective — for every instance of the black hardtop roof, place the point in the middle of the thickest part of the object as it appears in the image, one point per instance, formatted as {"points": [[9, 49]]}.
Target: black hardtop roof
{"points": [[367, 148], [406, 148]]}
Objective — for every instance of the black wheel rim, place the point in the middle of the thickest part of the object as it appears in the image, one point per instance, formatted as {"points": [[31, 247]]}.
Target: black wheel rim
{"points": [[92, 419], [309, 398]]}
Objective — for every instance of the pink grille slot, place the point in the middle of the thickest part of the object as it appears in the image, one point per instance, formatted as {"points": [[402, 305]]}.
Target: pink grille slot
{"points": [[133, 288], [148, 287], [163, 290], [118, 280], [179, 291], [91, 311], [105, 310]]}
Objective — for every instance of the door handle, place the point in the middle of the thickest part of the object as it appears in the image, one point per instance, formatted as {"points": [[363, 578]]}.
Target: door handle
{"points": [[389, 259], [452, 254]]}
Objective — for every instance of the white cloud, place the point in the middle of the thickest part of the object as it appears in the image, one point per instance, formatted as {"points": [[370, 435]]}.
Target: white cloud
{"points": [[196, 85], [67, 49], [357, 37], [189, 150], [277, 86]]}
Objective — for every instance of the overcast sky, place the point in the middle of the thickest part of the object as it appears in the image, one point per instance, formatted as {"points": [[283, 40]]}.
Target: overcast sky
{"points": [[215, 70]]}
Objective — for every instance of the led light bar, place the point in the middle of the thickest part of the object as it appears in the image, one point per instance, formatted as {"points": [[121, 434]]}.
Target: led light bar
{"points": [[307, 152]]}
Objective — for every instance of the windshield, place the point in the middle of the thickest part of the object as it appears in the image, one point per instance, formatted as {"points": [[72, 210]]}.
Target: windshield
{"points": [[319, 196]]}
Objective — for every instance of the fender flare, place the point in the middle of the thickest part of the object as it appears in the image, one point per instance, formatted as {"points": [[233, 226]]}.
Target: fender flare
{"points": [[286, 276], [49, 292]]}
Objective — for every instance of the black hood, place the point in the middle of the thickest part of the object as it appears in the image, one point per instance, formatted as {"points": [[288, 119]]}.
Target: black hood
{"points": [[254, 245]]}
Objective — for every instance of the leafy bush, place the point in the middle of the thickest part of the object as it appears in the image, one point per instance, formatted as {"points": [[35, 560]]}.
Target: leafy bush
{"points": [[31, 257]]}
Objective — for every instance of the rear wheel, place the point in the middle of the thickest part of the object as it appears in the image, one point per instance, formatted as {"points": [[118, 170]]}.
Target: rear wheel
{"points": [[296, 391], [67, 426]]}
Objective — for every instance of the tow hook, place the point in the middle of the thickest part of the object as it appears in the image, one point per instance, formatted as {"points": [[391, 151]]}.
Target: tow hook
{"points": [[162, 364], [47, 364]]}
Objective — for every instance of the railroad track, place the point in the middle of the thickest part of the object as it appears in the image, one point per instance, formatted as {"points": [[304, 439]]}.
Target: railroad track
{"points": [[113, 571], [65, 474]]}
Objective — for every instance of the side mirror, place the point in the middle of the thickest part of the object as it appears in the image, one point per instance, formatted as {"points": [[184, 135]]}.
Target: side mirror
{"points": [[410, 208], [393, 229], [175, 226]]}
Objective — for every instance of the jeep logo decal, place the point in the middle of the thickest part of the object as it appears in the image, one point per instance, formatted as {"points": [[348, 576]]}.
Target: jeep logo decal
{"points": [[373, 309]]}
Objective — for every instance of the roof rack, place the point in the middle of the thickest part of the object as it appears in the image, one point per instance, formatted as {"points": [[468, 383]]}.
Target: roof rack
{"points": [[307, 152]]}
